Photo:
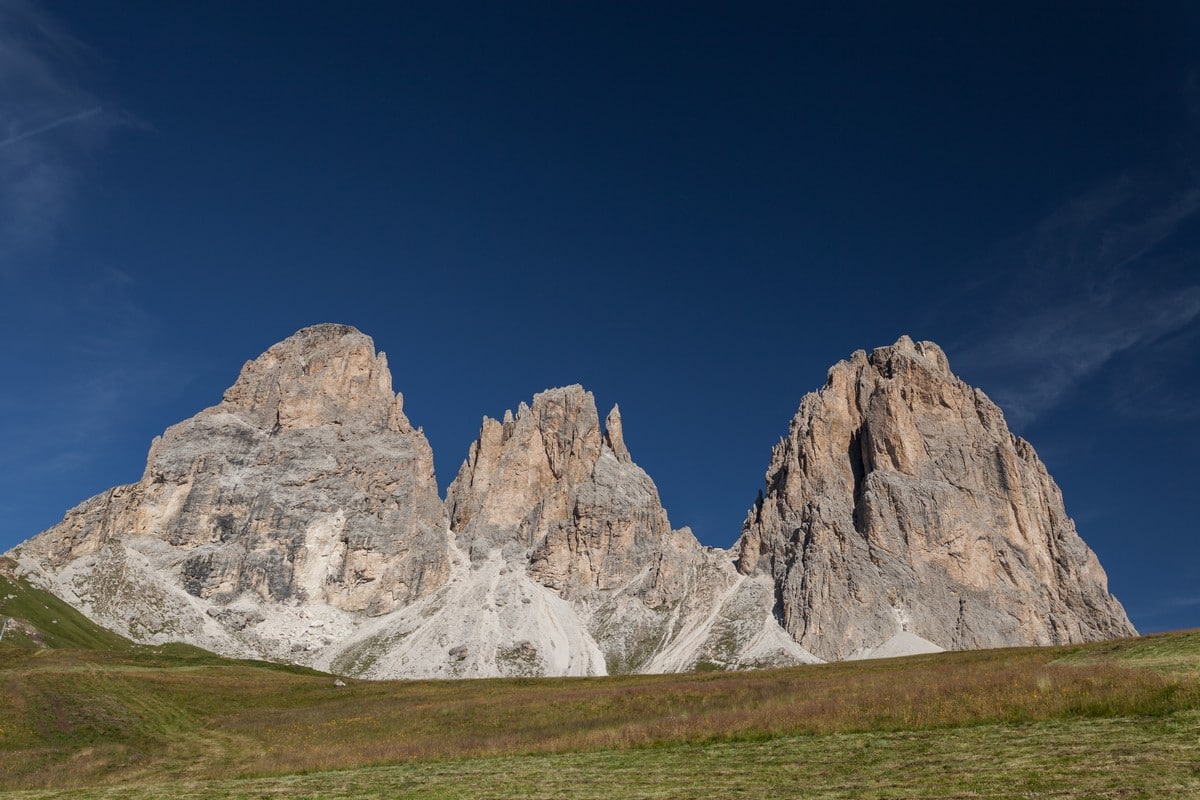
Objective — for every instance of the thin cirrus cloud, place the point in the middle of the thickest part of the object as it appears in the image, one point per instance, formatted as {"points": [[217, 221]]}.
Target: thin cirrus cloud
{"points": [[93, 353], [1110, 273], [49, 122], [1049, 353], [19, 136], [1106, 287]]}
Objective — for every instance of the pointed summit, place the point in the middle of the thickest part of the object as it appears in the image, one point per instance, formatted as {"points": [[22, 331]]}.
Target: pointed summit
{"points": [[900, 505], [305, 491], [613, 435], [320, 375]]}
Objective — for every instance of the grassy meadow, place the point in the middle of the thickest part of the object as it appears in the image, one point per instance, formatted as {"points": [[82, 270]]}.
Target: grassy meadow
{"points": [[99, 717]]}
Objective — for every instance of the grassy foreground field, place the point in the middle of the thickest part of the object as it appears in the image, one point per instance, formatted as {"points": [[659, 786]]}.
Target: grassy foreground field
{"points": [[100, 717]]}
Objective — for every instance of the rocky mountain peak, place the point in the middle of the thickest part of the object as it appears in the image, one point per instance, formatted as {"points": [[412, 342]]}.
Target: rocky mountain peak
{"points": [[568, 425], [548, 485], [299, 520], [323, 374], [304, 489], [900, 503], [554, 496], [524, 476]]}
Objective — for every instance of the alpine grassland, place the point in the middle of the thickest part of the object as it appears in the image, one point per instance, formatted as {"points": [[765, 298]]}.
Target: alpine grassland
{"points": [[87, 714]]}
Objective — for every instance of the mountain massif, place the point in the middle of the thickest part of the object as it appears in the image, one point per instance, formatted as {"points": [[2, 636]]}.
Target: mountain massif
{"points": [[299, 520]]}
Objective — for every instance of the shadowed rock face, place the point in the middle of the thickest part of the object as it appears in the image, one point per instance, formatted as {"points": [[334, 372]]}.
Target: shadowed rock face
{"points": [[305, 484], [900, 503]]}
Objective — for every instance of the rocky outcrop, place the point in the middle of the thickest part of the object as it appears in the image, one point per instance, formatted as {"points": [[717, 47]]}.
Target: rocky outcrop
{"points": [[559, 498], [305, 487], [299, 520], [548, 485], [900, 509]]}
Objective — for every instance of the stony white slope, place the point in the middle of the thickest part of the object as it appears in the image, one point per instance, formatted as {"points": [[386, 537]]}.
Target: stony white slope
{"points": [[132, 586], [737, 629], [902, 643], [488, 620]]}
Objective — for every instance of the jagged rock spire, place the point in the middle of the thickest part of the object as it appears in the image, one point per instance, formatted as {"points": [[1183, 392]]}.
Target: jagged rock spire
{"points": [[547, 480], [555, 498], [614, 436]]}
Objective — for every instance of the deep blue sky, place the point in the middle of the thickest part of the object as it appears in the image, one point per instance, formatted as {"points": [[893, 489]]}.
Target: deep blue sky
{"points": [[691, 211]]}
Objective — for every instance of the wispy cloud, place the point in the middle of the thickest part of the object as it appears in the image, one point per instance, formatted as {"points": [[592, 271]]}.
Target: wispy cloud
{"points": [[1114, 272], [1048, 352], [76, 335], [49, 122], [20, 136]]}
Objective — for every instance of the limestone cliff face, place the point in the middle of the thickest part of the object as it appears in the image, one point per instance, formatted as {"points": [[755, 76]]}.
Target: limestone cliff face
{"points": [[305, 485], [549, 484], [563, 500], [899, 504], [299, 520]]}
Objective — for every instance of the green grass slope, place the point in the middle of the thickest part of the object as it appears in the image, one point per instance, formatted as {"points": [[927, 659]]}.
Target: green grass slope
{"points": [[1065, 760], [39, 619], [1115, 719]]}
